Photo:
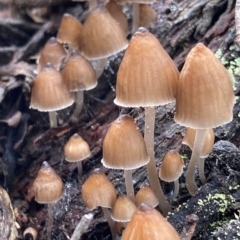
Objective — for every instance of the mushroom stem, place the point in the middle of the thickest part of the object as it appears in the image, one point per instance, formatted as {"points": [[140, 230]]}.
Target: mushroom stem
{"points": [[151, 166], [92, 4], [50, 221], [79, 104], [176, 189], [79, 166], [194, 161], [136, 17], [53, 119], [110, 222], [201, 170], [129, 184], [100, 66]]}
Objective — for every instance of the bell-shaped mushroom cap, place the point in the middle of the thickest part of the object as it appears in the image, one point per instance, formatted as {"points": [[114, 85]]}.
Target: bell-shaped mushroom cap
{"points": [[48, 186], [98, 191], [147, 15], [207, 144], [205, 96], [30, 233], [116, 11], [103, 39], [148, 224], [78, 73], [123, 209], [124, 146], [146, 195], [172, 167], [70, 32], [52, 52], [147, 75], [76, 149], [49, 93]]}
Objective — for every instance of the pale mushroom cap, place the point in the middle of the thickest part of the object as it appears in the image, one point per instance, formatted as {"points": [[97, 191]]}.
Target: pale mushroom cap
{"points": [[70, 32], [207, 144], [205, 96], [103, 39], [116, 11], [124, 146], [147, 16], [30, 232], [146, 195], [172, 167], [52, 52], [49, 93], [147, 75], [78, 73], [98, 191], [123, 209], [48, 186], [76, 149], [148, 224]]}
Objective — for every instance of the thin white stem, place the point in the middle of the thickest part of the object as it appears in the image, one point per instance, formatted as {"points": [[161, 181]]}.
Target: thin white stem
{"points": [[110, 222], [129, 184], [136, 17], [151, 166], [201, 170], [194, 161], [79, 166], [79, 104], [53, 119], [101, 63], [237, 22], [49, 222], [176, 189]]}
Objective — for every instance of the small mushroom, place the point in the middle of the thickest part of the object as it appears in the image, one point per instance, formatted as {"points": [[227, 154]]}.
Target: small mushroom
{"points": [[30, 233]]}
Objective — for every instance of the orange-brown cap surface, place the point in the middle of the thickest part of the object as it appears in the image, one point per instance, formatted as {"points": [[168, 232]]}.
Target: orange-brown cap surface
{"points": [[146, 195], [147, 16], [98, 191], [52, 52], [207, 144], [76, 149], [49, 92], [103, 39], [48, 186], [124, 146], [147, 75], [70, 32], [172, 167], [123, 209], [78, 73], [148, 224], [205, 96]]}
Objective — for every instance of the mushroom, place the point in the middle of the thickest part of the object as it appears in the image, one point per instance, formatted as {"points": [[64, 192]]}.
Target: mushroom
{"points": [[30, 233], [49, 93], [48, 189], [78, 75], [98, 191], [148, 224], [203, 101], [147, 77], [171, 169], [206, 148], [76, 150], [124, 148], [147, 16]]}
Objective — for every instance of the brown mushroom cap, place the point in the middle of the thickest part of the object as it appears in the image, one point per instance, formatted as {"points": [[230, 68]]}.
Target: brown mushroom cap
{"points": [[172, 167], [76, 149], [103, 39], [207, 144], [205, 96], [147, 15], [148, 224], [98, 191], [123, 209], [70, 32], [147, 75], [52, 52], [146, 195], [124, 146], [49, 93], [48, 186], [78, 73]]}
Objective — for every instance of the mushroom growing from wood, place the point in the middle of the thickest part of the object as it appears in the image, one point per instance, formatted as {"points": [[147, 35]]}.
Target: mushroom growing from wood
{"points": [[204, 99]]}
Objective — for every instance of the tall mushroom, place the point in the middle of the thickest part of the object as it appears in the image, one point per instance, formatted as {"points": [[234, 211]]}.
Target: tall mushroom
{"points": [[147, 77], [205, 99]]}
